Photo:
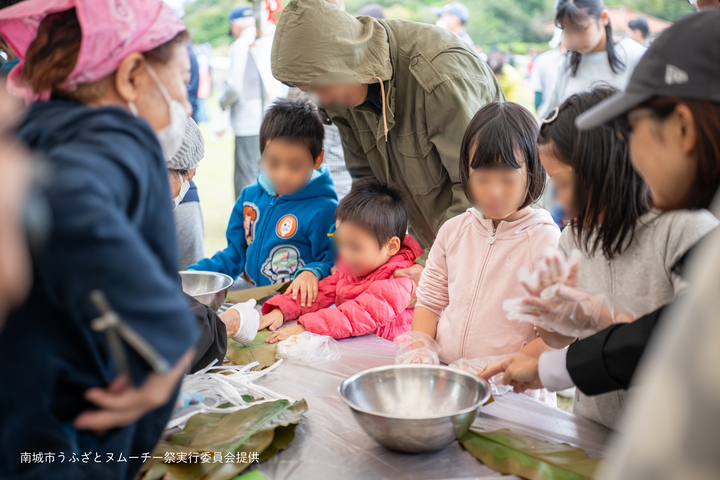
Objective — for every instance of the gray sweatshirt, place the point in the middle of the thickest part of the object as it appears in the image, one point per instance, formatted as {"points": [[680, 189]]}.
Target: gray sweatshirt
{"points": [[641, 279]]}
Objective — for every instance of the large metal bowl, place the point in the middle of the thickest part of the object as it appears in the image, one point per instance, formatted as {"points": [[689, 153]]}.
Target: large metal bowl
{"points": [[414, 408], [209, 288]]}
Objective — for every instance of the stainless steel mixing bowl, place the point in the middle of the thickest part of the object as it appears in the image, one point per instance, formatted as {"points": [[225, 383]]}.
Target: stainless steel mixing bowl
{"points": [[414, 408], [209, 288]]}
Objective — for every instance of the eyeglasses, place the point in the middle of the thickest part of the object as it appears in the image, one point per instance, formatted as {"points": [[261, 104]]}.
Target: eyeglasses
{"points": [[289, 85]]}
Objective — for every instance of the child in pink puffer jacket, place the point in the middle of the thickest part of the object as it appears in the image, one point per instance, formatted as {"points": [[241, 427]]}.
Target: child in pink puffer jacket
{"points": [[473, 264], [372, 244]]}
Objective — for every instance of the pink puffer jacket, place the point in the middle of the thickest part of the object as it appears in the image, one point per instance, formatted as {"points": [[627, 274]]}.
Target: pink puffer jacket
{"points": [[374, 304]]}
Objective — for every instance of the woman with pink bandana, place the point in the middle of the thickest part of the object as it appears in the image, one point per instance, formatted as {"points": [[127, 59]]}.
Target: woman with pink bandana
{"points": [[105, 80]]}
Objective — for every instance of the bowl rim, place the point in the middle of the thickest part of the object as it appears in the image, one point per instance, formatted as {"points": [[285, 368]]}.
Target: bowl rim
{"points": [[199, 272], [351, 378]]}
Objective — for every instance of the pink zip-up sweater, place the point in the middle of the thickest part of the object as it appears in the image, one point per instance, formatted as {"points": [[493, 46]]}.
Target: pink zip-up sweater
{"points": [[471, 270]]}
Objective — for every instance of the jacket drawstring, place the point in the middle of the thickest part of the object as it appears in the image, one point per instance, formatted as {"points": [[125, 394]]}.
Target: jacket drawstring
{"points": [[382, 92]]}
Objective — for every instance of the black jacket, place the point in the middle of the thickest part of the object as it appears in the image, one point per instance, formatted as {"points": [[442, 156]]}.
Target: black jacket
{"points": [[213, 337], [607, 360]]}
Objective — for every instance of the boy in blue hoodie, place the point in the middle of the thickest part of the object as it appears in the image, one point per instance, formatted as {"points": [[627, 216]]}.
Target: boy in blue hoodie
{"points": [[278, 230]]}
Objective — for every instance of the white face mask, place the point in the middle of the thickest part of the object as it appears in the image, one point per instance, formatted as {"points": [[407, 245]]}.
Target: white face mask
{"points": [[170, 137], [184, 187]]}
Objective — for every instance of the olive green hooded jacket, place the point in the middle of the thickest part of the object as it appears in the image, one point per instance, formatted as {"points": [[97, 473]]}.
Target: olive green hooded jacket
{"points": [[433, 85]]}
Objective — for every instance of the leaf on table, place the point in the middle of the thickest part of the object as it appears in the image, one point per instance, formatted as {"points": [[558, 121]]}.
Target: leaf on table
{"points": [[257, 294], [257, 350], [509, 453], [254, 475], [264, 429]]}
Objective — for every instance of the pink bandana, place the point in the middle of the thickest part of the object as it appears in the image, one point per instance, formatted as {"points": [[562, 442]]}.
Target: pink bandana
{"points": [[111, 30]]}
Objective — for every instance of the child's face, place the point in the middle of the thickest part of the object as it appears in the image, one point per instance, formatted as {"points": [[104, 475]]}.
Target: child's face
{"points": [[289, 165], [498, 191], [359, 249], [563, 178]]}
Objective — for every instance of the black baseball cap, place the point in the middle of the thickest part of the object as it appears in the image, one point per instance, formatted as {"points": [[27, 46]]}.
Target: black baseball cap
{"points": [[684, 61]]}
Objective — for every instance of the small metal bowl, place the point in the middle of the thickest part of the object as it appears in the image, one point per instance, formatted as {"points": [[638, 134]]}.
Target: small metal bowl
{"points": [[208, 288], [414, 408]]}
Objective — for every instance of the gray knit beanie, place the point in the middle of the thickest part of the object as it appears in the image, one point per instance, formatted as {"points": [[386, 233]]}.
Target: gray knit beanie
{"points": [[191, 151]]}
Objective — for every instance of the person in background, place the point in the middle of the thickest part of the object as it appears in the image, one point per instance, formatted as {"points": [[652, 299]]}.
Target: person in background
{"points": [[481, 52], [12, 58], [278, 230], [188, 215], [189, 225], [627, 249], [248, 90], [545, 72], [371, 248], [639, 30], [106, 124], [417, 86], [373, 10], [510, 79], [594, 55], [670, 117], [473, 264], [454, 16], [205, 85]]}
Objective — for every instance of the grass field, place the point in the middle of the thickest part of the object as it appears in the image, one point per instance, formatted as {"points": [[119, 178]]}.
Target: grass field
{"points": [[214, 180]]}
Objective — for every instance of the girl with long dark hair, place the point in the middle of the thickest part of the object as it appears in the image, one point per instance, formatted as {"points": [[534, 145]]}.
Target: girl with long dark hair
{"points": [[592, 54], [627, 248]]}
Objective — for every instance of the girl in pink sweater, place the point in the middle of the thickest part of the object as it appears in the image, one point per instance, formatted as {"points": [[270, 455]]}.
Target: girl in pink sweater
{"points": [[474, 261], [371, 223]]}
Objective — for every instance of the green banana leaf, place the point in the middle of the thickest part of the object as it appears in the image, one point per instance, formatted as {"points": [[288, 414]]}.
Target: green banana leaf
{"points": [[257, 293], [257, 350], [509, 453], [255, 475], [263, 429]]}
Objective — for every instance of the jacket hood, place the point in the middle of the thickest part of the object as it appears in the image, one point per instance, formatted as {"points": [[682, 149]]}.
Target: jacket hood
{"points": [[316, 42], [49, 125], [533, 219], [321, 185]]}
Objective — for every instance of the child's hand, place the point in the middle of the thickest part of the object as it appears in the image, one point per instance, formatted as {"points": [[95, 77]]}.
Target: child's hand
{"points": [[285, 333], [272, 320], [306, 284]]}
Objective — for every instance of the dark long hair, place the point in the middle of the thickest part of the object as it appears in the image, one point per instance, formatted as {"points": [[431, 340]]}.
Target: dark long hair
{"points": [[497, 133], [578, 10], [609, 194]]}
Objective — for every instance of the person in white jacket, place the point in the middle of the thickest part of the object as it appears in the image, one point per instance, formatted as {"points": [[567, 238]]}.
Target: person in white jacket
{"points": [[249, 89]]}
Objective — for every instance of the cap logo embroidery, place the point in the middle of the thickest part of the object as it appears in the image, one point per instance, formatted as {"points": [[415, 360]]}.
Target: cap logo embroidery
{"points": [[674, 75]]}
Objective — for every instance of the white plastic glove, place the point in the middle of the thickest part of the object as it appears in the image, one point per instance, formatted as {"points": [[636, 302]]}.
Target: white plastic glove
{"points": [[551, 269], [416, 347], [249, 321], [567, 311]]}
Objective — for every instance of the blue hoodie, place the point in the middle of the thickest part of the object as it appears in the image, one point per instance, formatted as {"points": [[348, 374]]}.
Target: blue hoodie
{"points": [[271, 239], [113, 230]]}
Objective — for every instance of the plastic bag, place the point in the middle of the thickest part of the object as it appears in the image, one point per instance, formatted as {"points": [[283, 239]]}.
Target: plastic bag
{"points": [[478, 365], [220, 124], [308, 348], [416, 347]]}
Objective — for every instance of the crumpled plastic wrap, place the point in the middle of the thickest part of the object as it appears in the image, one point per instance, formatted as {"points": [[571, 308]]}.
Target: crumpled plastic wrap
{"points": [[308, 349], [417, 347], [477, 365]]}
